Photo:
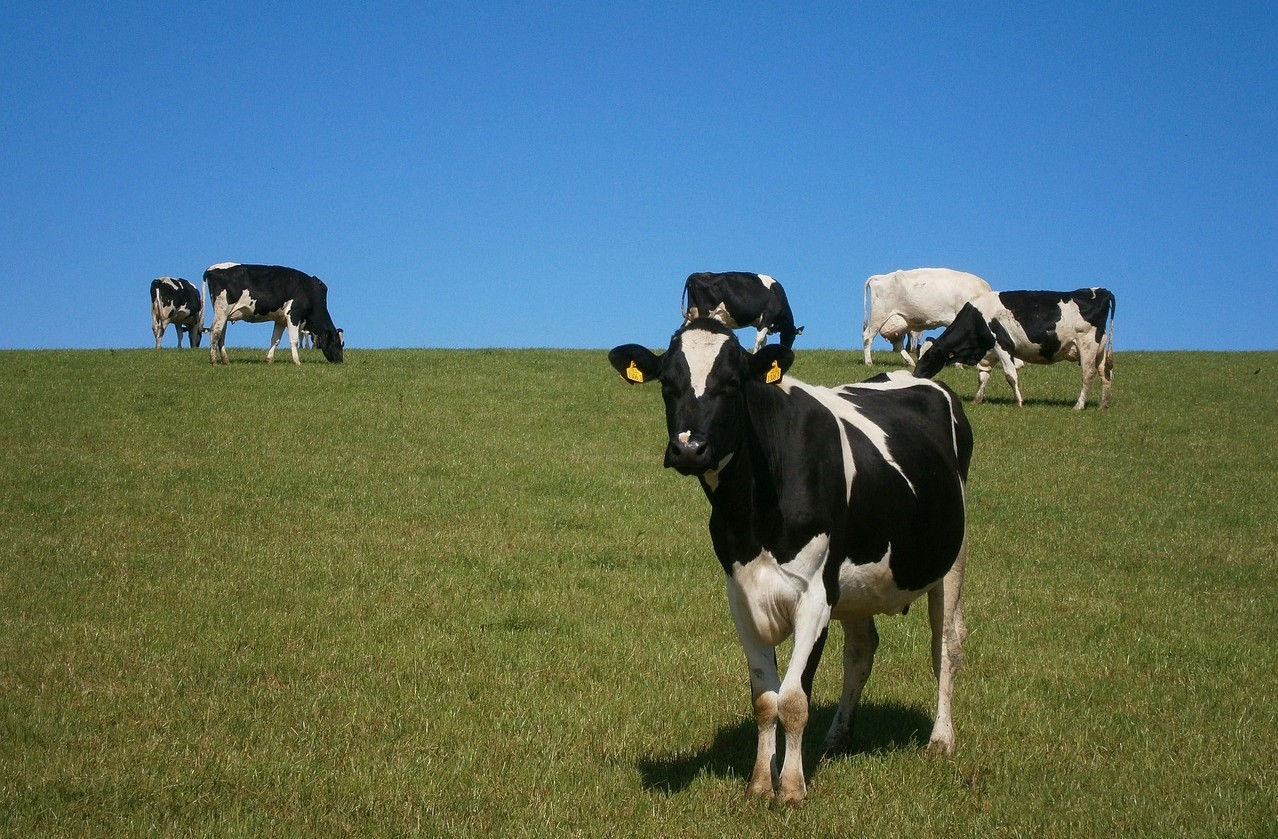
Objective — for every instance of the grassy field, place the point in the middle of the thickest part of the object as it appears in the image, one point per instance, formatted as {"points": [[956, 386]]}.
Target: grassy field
{"points": [[454, 593]]}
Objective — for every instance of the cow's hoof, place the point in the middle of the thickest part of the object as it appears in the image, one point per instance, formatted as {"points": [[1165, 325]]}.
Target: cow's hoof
{"points": [[791, 798], [940, 747]]}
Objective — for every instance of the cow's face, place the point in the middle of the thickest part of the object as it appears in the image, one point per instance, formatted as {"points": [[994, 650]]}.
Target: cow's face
{"points": [[703, 375], [965, 341], [329, 341]]}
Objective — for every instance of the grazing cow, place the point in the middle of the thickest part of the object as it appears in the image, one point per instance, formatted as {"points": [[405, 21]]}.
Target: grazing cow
{"points": [[738, 299], [258, 293], [904, 303], [840, 503], [178, 302], [1038, 327]]}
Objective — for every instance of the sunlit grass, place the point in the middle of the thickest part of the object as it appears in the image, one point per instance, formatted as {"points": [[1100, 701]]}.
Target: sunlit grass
{"points": [[453, 592]]}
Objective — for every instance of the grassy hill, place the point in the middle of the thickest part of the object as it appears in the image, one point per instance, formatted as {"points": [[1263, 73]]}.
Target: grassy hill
{"points": [[454, 593]]}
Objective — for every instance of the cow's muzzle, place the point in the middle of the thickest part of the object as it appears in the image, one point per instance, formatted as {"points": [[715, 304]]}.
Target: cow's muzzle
{"points": [[689, 455]]}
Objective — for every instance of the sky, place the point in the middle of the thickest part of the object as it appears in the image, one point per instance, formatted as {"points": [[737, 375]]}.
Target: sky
{"points": [[548, 174]]}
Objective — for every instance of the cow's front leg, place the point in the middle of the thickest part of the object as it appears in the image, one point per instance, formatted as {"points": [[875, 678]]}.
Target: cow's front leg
{"points": [[276, 334], [983, 371], [792, 701], [760, 338], [765, 684], [217, 340]]}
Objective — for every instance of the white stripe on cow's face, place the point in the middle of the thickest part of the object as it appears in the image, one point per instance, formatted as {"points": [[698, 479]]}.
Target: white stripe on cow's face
{"points": [[701, 350]]}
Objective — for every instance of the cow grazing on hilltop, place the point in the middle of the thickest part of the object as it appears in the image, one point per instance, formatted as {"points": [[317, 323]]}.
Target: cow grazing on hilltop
{"points": [[825, 503], [904, 303], [739, 299], [259, 293], [1037, 327], [178, 302]]}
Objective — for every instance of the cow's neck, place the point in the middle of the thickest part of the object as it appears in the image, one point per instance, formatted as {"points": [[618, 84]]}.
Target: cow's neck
{"points": [[745, 514]]}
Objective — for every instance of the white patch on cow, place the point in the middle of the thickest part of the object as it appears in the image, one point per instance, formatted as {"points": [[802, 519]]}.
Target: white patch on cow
{"points": [[711, 477], [768, 593], [701, 349], [222, 265], [721, 314], [767, 281], [866, 590]]}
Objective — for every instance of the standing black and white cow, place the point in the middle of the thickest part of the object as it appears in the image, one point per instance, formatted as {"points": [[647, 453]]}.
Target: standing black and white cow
{"points": [[178, 302], [258, 293], [840, 503], [1038, 327], [738, 300]]}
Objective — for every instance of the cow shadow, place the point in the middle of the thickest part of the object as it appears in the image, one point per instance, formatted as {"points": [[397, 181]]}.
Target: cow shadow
{"points": [[1030, 402], [880, 727]]}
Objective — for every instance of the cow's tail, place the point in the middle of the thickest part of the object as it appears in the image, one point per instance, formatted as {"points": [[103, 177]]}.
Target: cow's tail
{"points": [[865, 304], [683, 305], [204, 294], [1108, 356]]}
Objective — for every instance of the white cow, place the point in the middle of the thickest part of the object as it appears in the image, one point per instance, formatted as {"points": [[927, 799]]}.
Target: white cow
{"points": [[911, 301]]}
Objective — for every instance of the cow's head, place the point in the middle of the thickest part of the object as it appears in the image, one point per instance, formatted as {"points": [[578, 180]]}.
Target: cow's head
{"points": [[965, 341], [329, 341], [704, 377]]}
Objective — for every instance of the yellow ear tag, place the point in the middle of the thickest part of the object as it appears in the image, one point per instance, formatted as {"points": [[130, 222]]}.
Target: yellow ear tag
{"points": [[633, 373], [774, 374]]}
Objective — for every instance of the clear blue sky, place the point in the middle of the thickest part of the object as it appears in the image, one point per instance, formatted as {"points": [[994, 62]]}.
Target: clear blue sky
{"points": [[546, 175]]}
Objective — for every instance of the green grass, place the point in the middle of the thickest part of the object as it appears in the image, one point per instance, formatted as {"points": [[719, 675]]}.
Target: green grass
{"points": [[454, 593]]}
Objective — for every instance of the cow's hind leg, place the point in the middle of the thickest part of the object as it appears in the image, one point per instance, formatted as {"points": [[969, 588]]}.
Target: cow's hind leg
{"points": [[945, 614], [1106, 372], [860, 640], [217, 338], [1088, 355], [276, 334]]}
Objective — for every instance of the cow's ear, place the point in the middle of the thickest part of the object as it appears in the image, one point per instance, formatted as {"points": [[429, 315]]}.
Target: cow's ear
{"points": [[769, 364], [636, 364]]}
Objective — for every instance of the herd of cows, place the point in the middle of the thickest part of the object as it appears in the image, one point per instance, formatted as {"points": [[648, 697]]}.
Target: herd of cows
{"points": [[293, 301], [838, 503], [848, 502]]}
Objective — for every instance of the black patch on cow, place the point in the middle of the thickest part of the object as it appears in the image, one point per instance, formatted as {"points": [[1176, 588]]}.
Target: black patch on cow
{"points": [[1096, 305]]}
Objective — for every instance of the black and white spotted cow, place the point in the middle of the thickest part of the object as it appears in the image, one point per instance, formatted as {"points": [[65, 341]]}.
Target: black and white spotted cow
{"points": [[259, 293], [825, 503], [1037, 327], [739, 300], [178, 302]]}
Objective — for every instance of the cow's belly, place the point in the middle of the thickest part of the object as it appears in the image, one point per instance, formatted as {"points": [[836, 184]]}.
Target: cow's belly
{"points": [[249, 316], [866, 590]]}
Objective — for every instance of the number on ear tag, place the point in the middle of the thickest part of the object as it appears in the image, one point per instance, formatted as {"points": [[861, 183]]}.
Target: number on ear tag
{"points": [[774, 374], [633, 373]]}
